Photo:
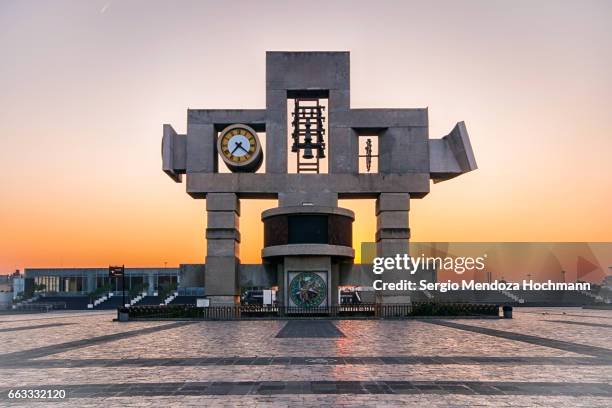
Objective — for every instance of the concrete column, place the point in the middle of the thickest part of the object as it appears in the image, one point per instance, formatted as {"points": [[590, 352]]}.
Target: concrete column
{"points": [[91, 281], [343, 141], [392, 237], [223, 245], [276, 131], [280, 281], [334, 281], [151, 281]]}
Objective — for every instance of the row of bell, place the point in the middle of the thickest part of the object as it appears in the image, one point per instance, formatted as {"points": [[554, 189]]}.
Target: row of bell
{"points": [[308, 153]]}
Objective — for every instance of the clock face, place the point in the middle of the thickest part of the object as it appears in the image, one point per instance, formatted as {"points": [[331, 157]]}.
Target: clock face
{"points": [[307, 289], [239, 147]]}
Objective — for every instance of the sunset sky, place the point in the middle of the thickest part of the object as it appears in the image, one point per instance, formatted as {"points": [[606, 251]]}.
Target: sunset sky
{"points": [[85, 87]]}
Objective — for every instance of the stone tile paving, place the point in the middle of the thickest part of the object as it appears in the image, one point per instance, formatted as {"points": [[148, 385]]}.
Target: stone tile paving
{"points": [[378, 363], [321, 400], [362, 338], [309, 329], [96, 324], [545, 324], [421, 372], [296, 361], [34, 327], [26, 319], [564, 345]]}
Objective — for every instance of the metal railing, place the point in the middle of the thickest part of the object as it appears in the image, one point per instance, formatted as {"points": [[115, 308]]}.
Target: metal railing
{"points": [[371, 310], [268, 311]]}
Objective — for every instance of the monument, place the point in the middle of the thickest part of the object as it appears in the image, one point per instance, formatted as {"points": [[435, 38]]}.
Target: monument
{"points": [[312, 157]]}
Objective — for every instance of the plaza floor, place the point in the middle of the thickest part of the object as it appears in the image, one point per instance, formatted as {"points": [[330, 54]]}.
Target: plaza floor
{"points": [[542, 357]]}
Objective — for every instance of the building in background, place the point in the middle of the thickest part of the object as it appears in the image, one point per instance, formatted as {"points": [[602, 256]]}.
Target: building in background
{"points": [[10, 287]]}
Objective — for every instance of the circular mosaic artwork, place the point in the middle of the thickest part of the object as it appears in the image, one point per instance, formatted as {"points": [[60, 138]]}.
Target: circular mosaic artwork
{"points": [[307, 289]]}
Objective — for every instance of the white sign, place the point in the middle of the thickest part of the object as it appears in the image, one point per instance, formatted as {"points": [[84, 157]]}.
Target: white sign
{"points": [[202, 302], [267, 297]]}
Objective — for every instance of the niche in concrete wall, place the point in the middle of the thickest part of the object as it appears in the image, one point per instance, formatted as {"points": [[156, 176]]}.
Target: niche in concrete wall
{"points": [[368, 154], [222, 167], [307, 132]]}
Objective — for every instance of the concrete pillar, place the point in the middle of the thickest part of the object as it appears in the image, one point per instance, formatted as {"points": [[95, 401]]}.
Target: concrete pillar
{"points": [[343, 150], [276, 131], [392, 237], [280, 282], [91, 281], [343, 141], [223, 245], [334, 281], [151, 281]]}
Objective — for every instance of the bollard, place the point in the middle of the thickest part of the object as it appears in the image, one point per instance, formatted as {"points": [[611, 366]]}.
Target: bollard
{"points": [[122, 314], [507, 312]]}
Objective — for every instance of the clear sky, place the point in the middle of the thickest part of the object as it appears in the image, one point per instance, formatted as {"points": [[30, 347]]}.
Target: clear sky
{"points": [[85, 87]]}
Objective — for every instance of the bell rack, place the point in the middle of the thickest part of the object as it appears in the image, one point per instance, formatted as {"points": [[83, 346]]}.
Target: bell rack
{"points": [[307, 124]]}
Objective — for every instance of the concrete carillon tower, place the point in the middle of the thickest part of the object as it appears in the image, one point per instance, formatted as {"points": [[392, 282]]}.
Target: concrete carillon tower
{"points": [[317, 150]]}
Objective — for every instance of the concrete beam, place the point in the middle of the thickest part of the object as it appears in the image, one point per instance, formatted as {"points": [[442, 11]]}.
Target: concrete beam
{"points": [[308, 70], [345, 185], [299, 198], [307, 250], [382, 118], [256, 118]]}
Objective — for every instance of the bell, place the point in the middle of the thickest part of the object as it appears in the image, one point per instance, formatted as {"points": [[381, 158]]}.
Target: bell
{"points": [[307, 153]]}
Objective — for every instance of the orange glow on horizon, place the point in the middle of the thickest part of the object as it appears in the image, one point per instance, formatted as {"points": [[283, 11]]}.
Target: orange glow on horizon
{"points": [[84, 96]]}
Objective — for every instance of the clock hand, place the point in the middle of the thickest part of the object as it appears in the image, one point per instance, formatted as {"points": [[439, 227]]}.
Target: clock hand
{"points": [[245, 150], [238, 145]]}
